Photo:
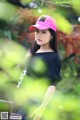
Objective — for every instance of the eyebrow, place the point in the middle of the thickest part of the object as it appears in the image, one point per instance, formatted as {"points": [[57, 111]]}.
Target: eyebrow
{"points": [[40, 30]]}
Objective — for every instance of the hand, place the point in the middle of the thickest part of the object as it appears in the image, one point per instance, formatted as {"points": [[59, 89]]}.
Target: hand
{"points": [[37, 114]]}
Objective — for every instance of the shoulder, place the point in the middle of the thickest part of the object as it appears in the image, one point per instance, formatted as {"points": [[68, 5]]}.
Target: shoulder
{"points": [[55, 56], [56, 59]]}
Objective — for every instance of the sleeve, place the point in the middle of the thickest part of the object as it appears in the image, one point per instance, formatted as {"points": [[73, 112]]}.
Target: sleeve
{"points": [[54, 70]]}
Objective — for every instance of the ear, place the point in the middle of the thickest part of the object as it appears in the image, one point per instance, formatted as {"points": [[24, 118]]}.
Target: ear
{"points": [[51, 37]]}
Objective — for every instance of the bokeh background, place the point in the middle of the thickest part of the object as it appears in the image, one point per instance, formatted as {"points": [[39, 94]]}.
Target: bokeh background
{"points": [[15, 40]]}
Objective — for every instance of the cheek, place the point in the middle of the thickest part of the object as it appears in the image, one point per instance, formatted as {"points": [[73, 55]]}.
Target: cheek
{"points": [[48, 38]]}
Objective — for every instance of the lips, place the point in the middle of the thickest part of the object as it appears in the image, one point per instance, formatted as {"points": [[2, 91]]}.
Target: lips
{"points": [[39, 40]]}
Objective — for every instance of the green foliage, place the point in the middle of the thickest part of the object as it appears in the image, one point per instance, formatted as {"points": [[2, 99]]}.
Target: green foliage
{"points": [[65, 103], [11, 55], [36, 67], [7, 11], [63, 24], [25, 1], [76, 6]]}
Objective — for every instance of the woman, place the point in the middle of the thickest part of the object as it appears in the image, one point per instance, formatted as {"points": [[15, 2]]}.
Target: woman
{"points": [[44, 47]]}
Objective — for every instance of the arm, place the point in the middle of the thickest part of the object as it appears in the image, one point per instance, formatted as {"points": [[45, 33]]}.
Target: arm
{"points": [[48, 95], [39, 112]]}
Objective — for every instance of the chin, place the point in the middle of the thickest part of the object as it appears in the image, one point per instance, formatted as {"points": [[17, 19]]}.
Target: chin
{"points": [[39, 43]]}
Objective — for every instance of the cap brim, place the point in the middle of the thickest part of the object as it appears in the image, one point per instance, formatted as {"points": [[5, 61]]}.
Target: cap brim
{"points": [[33, 27]]}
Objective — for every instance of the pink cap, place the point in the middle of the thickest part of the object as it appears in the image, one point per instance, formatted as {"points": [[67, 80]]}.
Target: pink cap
{"points": [[44, 22]]}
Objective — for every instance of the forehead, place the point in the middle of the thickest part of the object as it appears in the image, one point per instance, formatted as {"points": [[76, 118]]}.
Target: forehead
{"points": [[41, 30]]}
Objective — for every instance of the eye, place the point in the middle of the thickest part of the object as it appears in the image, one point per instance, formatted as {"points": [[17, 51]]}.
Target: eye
{"points": [[43, 31], [37, 31]]}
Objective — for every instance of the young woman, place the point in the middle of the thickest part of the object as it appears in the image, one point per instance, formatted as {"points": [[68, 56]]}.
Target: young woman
{"points": [[45, 47]]}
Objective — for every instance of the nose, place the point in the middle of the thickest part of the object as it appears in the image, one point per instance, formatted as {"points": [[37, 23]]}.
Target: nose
{"points": [[39, 35]]}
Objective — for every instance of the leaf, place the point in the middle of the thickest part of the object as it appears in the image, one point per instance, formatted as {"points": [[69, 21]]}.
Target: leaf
{"points": [[76, 5], [25, 1], [7, 8]]}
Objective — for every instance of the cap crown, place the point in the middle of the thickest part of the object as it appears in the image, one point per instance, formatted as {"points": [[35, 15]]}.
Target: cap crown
{"points": [[44, 22]]}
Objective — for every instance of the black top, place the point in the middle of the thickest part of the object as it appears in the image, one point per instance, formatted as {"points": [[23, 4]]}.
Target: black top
{"points": [[53, 64]]}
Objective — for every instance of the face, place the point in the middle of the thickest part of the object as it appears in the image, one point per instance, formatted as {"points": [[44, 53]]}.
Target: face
{"points": [[42, 37]]}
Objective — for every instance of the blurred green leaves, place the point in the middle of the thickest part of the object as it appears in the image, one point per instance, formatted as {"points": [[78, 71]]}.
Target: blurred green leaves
{"points": [[7, 11], [63, 24], [3, 78], [37, 67], [65, 105], [25, 1], [11, 53], [76, 6]]}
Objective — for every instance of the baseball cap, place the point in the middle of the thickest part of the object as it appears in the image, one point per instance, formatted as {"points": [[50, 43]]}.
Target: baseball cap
{"points": [[44, 22]]}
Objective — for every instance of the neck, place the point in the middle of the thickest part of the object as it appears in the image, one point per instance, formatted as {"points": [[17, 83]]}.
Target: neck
{"points": [[45, 48]]}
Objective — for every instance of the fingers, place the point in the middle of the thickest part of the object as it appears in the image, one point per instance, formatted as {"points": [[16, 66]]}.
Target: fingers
{"points": [[32, 115], [37, 114], [37, 118]]}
